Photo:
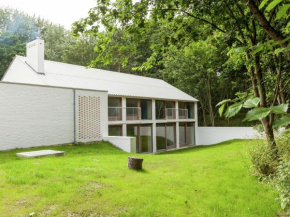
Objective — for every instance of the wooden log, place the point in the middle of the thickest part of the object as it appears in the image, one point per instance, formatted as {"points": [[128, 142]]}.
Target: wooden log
{"points": [[135, 163]]}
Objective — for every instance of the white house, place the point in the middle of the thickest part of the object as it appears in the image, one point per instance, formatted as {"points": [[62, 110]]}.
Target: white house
{"points": [[46, 103]]}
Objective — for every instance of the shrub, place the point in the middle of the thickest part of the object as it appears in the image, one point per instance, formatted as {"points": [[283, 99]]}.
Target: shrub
{"points": [[261, 157], [276, 172]]}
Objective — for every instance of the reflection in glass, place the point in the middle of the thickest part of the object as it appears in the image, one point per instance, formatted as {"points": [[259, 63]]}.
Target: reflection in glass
{"points": [[146, 109], [114, 110], [190, 108], [190, 134], [115, 130], [146, 138], [170, 135], [160, 109], [160, 136], [182, 139]]}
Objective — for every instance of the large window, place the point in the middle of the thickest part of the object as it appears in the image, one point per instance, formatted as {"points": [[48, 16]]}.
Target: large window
{"points": [[146, 109], [170, 110], [143, 134], [115, 109], [182, 134], [160, 136], [160, 109], [190, 108], [146, 138], [170, 135], [182, 111], [165, 136], [190, 136], [139, 109], [186, 134], [132, 109], [165, 109], [185, 110], [115, 130]]}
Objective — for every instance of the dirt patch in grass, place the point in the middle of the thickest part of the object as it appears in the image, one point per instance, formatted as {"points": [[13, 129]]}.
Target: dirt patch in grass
{"points": [[91, 187]]}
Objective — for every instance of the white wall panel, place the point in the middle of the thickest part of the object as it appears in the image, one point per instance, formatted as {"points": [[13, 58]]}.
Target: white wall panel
{"points": [[213, 135], [35, 116], [122, 142]]}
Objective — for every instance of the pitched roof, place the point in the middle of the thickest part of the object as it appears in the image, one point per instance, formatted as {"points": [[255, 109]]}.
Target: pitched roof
{"points": [[116, 83]]}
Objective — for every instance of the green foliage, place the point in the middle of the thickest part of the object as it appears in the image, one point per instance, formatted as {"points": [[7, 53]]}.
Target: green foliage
{"points": [[233, 109], [261, 157], [251, 103], [273, 4], [263, 3], [10, 45], [282, 11], [276, 172], [257, 114], [280, 109], [281, 122]]}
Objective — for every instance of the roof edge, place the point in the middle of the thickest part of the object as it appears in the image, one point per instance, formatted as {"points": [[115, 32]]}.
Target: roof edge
{"points": [[49, 86]]}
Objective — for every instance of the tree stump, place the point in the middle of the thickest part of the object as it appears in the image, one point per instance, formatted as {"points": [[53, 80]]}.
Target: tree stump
{"points": [[135, 163]]}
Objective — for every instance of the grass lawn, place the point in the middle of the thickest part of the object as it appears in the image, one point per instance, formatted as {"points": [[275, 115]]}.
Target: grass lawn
{"points": [[93, 179]]}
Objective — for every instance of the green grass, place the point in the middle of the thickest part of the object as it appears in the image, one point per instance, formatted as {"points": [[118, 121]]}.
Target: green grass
{"points": [[93, 179]]}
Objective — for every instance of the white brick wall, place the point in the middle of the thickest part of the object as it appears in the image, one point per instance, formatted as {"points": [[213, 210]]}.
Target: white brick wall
{"points": [[213, 135], [39, 116]]}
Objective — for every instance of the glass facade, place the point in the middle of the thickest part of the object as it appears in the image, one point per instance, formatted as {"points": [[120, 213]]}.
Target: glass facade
{"points": [[190, 108], [146, 138], [146, 109], [143, 134], [165, 136], [182, 134], [190, 134], [115, 109], [160, 136], [132, 109], [186, 134], [165, 132], [170, 135], [160, 109]]}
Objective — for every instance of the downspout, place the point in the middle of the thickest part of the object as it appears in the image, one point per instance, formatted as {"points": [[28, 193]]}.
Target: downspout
{"points": [[74, 113]]}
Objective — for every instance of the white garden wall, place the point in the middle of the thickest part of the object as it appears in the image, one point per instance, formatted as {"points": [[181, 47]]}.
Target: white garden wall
{"points": [[213, 135], [33, 115], [125, 143]]}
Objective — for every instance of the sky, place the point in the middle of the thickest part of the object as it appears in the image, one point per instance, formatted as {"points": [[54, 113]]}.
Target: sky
{"points": [[63, 12]]}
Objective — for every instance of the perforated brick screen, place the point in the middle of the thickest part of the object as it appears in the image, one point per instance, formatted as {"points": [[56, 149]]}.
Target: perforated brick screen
{"points": [[89, 118]]}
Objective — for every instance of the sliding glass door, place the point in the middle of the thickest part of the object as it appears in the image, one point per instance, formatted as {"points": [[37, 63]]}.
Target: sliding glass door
{"points": [[186, 134], [165, 136], [143, 134]]}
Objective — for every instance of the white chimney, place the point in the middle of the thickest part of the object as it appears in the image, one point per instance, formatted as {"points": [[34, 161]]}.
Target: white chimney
{"points": [[35, 55]]}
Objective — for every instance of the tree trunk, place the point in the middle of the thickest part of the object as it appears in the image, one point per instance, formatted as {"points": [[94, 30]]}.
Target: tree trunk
{"points": [[210, 101], [203, 112], [263, 103], [265, 24]]}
